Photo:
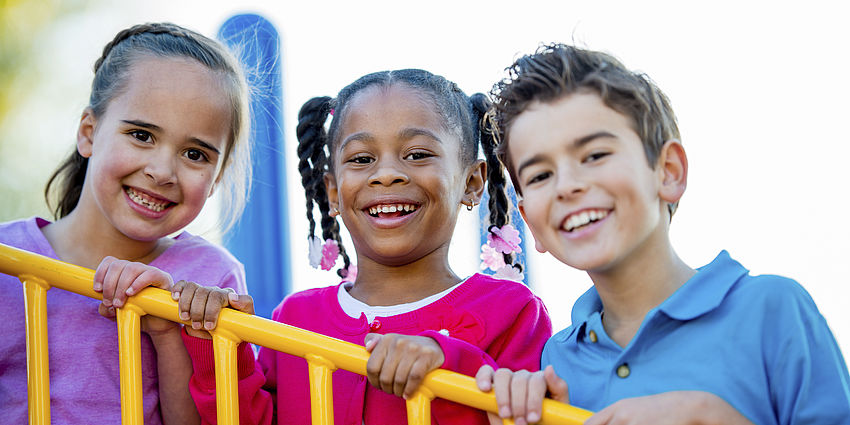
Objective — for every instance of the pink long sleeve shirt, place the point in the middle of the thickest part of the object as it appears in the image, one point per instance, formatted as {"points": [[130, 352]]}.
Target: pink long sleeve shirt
{"points": [[482, 321]]}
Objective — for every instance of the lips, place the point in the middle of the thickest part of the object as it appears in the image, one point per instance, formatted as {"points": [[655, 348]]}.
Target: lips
{"points": [[579, 220], [148, 200], [391, 209]]}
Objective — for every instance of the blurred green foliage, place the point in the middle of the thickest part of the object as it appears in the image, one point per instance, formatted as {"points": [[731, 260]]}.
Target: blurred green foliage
{"points": [[23, 24]]}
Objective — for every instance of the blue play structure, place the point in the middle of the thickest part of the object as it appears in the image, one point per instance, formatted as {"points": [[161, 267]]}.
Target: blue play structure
{"points": [[261, 239]]}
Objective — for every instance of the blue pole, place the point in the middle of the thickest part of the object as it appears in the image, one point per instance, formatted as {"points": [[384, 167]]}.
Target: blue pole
{"points": [[261, 238]]}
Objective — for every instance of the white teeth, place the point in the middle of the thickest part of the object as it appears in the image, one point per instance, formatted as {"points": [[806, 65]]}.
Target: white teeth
{"points": [[584, 218], [151, 205], [391, 208]]}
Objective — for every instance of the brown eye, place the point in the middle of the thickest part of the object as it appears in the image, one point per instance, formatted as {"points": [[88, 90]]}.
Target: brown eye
{"points": [[195, 155], [141, 135]]}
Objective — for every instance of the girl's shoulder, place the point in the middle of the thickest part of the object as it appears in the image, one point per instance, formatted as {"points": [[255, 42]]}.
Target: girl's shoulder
{"points": [[189, 247], [479, 284], [487, 294], [26, 234], [308, 300]]}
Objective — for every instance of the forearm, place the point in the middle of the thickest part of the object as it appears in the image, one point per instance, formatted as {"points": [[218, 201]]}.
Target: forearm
{"points": [[715, 411], [174, 368]]}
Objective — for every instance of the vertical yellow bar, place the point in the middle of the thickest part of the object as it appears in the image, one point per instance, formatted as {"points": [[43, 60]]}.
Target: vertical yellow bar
{"points": [[130, 353], [419, 407], [38, 367], [321, 389], [226, 377]]}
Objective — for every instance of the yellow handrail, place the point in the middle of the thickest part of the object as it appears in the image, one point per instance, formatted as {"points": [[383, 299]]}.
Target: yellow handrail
{"points": [[324, 354]]}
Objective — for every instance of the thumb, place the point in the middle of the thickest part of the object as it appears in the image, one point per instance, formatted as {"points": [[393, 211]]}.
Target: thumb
{"points": [[557, 387], [371, 341]]}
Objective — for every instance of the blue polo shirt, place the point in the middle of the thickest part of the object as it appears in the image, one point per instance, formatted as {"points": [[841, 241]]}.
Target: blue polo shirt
{"points": [[757, 342]]}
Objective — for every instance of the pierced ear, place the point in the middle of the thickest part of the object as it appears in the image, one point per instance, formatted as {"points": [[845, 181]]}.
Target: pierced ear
{"points": [[331, 189], [475, 182], [85, 133], [672, 172], [537, 245]]}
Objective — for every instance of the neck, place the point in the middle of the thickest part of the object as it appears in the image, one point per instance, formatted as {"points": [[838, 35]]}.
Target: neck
{"points": [[380, 284], [637, 285], [80, 240]]}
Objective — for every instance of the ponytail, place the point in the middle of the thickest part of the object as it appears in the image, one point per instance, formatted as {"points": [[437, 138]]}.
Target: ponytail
{"points": [[498, 204], [313, 163]]}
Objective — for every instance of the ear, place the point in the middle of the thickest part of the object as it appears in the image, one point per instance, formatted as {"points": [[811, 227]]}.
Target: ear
{"points": [[214, 186], [672, 172], [331, 189], [217, 181], [475, 182], [537, 245], [85, 133]]}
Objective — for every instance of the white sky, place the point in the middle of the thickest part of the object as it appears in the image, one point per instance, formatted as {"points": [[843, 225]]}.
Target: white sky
{"points": [[759, 88]]}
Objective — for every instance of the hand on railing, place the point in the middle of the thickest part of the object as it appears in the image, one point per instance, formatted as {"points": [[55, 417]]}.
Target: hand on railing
{"points": [[117, 280], [398, 363], [520, 394], [202, 304]]}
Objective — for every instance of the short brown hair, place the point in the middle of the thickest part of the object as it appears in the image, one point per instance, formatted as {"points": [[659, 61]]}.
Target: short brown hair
{"points": [[557, 70]]}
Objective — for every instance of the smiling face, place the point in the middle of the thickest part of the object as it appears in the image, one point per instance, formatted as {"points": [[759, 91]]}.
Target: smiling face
{"points": [[589, 196], [397, 179], [156, 152]]}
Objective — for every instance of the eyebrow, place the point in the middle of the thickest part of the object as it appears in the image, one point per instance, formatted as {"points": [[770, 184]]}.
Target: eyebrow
{"points": [[155, 127], [409, 133], [404, 134], [576, 144]]}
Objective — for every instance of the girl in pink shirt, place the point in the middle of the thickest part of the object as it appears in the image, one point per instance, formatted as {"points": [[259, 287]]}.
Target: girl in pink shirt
{"points": [[397, 163]]}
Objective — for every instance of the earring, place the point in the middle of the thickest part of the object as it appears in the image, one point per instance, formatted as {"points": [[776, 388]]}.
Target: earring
{"points": [[470, 206], [334, 212]]}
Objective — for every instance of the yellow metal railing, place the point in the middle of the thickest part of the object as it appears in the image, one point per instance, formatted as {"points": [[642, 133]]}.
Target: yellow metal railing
{"points": [[323, 354]]}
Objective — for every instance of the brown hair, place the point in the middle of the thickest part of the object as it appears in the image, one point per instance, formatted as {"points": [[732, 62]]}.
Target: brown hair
{"points": [[557, 70], [110, 78]]}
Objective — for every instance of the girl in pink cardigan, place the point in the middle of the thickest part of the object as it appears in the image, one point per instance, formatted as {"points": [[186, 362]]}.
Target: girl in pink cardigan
{"points": [[397, 163]]}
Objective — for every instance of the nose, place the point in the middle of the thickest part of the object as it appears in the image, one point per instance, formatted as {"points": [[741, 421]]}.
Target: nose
{"points": [[388, 172], [161, 169], [570, 183]]}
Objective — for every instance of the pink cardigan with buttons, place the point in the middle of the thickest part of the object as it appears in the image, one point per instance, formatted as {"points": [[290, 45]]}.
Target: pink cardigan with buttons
{"points": [[482, 321]]}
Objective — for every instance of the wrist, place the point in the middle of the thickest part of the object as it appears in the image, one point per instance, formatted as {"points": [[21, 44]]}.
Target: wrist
{"points": [[166, 336]]}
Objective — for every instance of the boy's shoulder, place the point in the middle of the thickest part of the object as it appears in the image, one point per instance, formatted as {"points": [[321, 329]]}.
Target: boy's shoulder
{"points": [[723, 288]]}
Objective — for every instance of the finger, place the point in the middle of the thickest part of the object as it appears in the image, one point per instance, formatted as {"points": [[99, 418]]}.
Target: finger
{"points": [[403, 377], [150, 276], [502, 389], [376, 360], [100, 273], [107, 312], [110, 281], [129, 274], [184, 304], [415, 376], [243, 303], [371, 341], [558, 389], [535, 396], [390, 363], [215, 301], [199, 306], [177, 289], [484, 378], [519, 394]]}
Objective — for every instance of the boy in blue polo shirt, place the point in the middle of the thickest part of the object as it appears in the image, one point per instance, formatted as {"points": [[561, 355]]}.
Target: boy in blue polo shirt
{"points": [[593, 149]]}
